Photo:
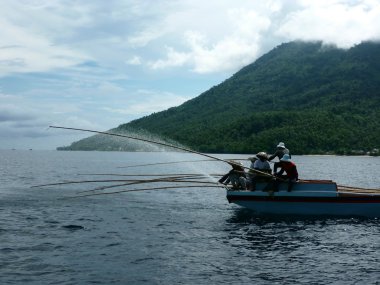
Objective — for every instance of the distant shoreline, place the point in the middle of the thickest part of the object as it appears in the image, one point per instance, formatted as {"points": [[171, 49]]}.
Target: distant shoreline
{"points": [[240, 154]]}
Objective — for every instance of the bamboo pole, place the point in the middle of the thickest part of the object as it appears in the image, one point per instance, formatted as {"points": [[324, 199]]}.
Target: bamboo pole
{"points": [[348, 189], [114, 180], [142, 182], [143, 189], [146, 175], [164, 163], [165, 144], [131, 181], [80, 182]]}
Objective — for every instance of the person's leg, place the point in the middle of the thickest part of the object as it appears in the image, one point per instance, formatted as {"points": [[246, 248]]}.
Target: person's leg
{"points": [[253, 184], [275, 166], [276, 183], [290, 184], [243, 182], [280, 179], [270, 185], [224, 178], [234, 181]]}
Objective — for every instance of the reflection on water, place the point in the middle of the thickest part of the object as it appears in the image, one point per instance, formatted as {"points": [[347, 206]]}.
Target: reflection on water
{"points": [[242, 215], [287, 233]]}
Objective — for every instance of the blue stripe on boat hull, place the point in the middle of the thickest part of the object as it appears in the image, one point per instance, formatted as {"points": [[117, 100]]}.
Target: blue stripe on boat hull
{"points": [[330, 209], [305, 199]]}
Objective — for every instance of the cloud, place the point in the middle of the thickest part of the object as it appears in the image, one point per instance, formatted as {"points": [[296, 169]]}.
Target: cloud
{"points": [[243, 32], [28, 47], [20, 122], [143, 38], [11, 113], [77, 121], [147, 102], [343, 23], [38, 36], [98, 64], [135, 60], [174, 58], [22, 118], [237, 47]]}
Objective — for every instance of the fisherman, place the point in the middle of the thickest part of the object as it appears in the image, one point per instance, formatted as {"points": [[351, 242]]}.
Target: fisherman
{"points": [[290, 168], [261, 164], [281, 150], [251, 172], [236, 176]]}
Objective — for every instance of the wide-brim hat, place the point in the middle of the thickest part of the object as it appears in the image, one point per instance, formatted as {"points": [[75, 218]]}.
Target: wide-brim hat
{"points": [[281, 145], [235, 163], [285, 158], [262, 154]]}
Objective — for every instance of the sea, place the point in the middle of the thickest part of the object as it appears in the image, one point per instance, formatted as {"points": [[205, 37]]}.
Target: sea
{"points": [[57, 234]]}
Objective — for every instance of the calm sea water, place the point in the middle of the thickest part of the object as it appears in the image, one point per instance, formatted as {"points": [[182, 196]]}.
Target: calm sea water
{"points": [[183, 236]]}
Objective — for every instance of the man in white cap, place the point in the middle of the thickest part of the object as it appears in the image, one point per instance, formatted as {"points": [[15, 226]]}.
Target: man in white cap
{"points": [[281, 150]]}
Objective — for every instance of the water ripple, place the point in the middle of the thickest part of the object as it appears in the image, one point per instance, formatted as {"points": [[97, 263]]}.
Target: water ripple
{"points": [[168, 237]]}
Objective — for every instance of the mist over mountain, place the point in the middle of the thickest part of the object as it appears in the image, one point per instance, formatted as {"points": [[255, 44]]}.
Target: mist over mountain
{"points": [[317, 99]]}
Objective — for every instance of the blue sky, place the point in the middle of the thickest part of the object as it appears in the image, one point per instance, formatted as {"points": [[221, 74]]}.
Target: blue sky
{"points": [[97, 64]]}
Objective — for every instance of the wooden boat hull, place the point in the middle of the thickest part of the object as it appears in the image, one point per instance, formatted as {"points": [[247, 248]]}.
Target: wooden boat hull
{"points": [[308, 198]]}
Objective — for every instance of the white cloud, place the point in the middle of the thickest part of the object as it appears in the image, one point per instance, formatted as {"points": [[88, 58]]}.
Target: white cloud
{"points": [[200, 36], [147, 102], [77, 121], [143, 38], [174, 58], [344, 23], [136, 60], [236, 48], [230, 37]]}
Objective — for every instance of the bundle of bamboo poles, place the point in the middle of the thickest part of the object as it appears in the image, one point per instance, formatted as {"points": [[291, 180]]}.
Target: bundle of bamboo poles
{"points": [[232, 163], [342, 189], [156, 181], [167, 181], [140, 182]]}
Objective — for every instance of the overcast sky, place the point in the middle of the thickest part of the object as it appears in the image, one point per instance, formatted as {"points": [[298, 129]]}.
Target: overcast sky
{"points": [[97, 64]]}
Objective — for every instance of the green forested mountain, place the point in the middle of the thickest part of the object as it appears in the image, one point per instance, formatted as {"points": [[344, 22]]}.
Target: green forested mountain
{"points": [[315, 98]]}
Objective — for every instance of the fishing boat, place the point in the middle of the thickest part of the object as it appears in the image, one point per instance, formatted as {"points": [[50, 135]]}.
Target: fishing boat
{"points": [[309, 197]]}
